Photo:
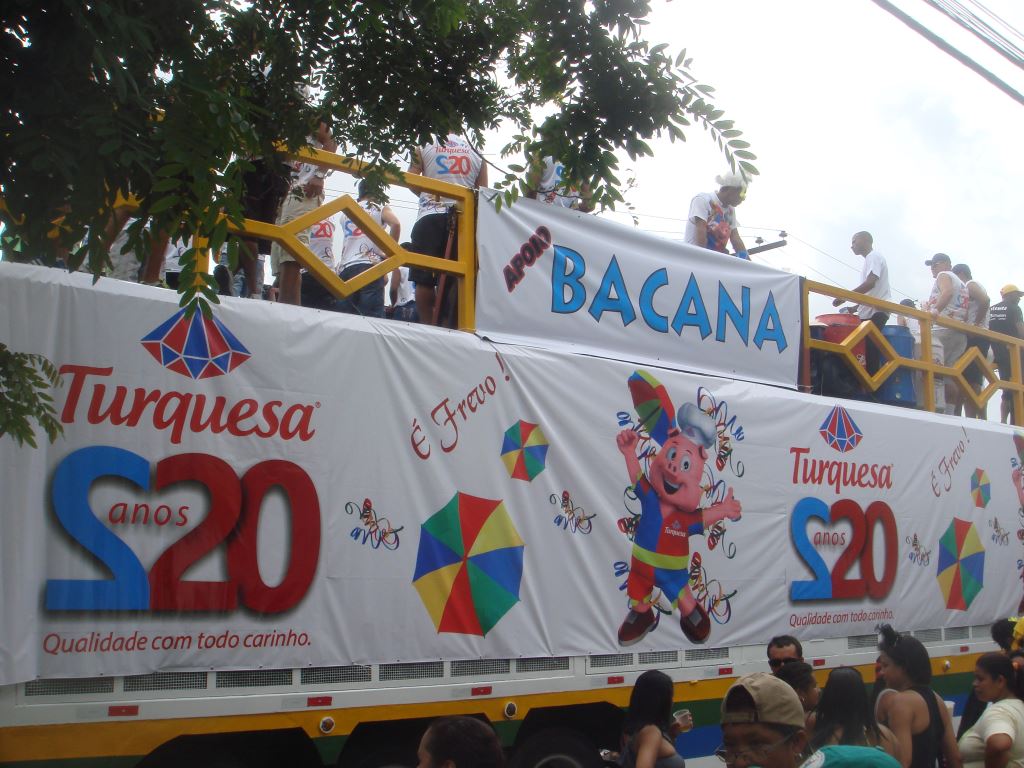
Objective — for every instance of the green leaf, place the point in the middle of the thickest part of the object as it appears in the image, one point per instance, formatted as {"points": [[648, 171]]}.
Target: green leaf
{"points": [[166, 185], [164, 203]]}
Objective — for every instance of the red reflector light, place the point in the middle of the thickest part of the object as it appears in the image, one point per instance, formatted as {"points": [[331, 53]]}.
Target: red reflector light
{"points": [[616, 680], [483, 690], [964, 648], [725, 670], [129, 710], [819, 662], [319, 701]]}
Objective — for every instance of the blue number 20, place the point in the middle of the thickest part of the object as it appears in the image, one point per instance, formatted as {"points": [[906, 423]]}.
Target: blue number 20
{"points": [[821, 587], [129, 589]]}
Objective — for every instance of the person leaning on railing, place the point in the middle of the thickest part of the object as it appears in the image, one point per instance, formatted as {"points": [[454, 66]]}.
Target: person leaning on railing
{"points": [[874, 282], [977, 314], [949, 299], [306, 194], [456, 161], [1005, 317]]}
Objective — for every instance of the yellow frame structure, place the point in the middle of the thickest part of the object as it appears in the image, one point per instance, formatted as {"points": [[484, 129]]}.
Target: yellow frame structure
{"points": [[929, 368], [285, 235]]}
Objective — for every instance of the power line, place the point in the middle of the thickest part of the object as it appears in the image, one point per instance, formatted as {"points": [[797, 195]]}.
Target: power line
{"points": [[969, 21], [937, 41], [998, 19]]}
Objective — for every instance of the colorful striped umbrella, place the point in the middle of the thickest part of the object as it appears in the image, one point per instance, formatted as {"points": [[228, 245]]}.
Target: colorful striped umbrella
{"points": [[653, 406], [961, 572], [981, 489], [524, 450], [469, 565]]}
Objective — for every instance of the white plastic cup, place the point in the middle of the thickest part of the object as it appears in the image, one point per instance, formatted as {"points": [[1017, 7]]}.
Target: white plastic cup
{"points": [[684, 719]]}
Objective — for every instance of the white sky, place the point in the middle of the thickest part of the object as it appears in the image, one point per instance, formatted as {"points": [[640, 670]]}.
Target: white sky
{"points": [[858, 123]]}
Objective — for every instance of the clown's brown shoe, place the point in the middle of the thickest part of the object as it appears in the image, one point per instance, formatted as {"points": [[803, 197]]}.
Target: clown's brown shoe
{"points": [[696, 625], [637, 625]]}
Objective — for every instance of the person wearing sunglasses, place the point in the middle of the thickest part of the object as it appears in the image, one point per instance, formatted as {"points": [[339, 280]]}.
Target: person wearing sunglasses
{"points": [[784, 649], [762, 724]]}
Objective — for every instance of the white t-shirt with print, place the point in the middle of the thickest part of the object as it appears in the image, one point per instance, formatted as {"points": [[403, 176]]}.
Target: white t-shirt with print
{"points": [[321, 241], [454, 161], [707, 207], [357, 248], [956, 309], [550, 189]]}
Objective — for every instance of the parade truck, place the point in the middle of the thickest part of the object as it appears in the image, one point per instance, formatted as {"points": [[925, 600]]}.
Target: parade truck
{"points": [[270, 535]]}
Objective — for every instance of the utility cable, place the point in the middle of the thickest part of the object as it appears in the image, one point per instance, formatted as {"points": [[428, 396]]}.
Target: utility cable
{"points": [[979, 29], [937, 41], [998, 19]]}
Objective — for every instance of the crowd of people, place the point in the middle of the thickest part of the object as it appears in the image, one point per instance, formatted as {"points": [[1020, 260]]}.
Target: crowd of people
{"points": [[781, 719]]}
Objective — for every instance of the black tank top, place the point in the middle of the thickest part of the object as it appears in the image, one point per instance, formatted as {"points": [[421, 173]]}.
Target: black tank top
{"points": [[927, 743]]}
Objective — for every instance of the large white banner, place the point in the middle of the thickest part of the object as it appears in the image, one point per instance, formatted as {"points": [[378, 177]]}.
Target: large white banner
{"points": [[557, 278], [279, 487]]}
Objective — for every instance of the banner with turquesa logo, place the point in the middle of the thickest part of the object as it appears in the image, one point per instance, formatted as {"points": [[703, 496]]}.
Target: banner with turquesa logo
{"points": [[273, 486], [557, 278]]}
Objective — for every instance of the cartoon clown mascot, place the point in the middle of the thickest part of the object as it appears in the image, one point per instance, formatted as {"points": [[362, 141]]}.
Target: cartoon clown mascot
{"points": [[669, 496]]}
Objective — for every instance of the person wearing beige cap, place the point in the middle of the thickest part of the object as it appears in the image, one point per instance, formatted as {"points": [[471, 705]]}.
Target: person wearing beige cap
{"points": [[1005, 317], [762, 723], [712, 223]]}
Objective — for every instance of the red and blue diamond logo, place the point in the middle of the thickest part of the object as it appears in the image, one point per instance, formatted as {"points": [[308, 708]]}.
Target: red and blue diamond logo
{"points": [[840, 431], [197, 347]]}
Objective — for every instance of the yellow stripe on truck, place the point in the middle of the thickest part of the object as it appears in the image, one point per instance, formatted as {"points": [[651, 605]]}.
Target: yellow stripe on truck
{"points": [[129, 737]]}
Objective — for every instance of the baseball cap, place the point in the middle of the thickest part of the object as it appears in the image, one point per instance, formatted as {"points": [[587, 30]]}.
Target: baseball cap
{"points": [[940, 258], [850, 757], [775, 702], [1009, 289]]}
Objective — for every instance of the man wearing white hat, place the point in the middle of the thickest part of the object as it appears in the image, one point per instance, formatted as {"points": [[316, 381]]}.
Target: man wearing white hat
{"points": [[712, 220]]}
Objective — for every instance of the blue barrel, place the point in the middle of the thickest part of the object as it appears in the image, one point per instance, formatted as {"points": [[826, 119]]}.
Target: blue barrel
{"points": [[898, 389]]}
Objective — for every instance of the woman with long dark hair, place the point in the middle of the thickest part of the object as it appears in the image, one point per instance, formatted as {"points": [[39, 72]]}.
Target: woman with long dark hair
{"points": [[915, 713], [997, 739], [648, 729], [845, 716]]}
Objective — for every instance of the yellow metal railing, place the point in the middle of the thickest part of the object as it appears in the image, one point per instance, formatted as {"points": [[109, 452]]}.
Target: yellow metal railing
{"points": [[463, 267], [928, 368]]}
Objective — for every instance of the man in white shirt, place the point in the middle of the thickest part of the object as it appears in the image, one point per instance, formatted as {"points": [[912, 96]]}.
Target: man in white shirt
{"points": [[874, 282], [712, 223]]}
